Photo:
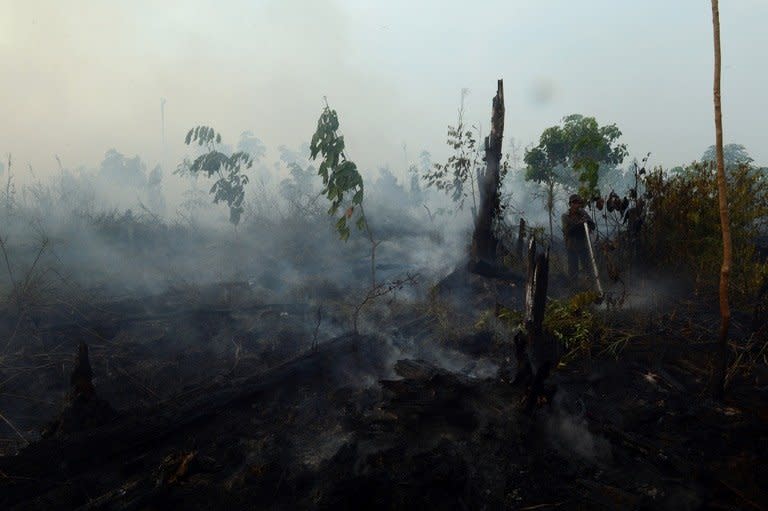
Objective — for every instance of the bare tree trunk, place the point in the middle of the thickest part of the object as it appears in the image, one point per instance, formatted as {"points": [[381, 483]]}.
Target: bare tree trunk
{"points": [[718, 381], [551, 208], [484, 240]]}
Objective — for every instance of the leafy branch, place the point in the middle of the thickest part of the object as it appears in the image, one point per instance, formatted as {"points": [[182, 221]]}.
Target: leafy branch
{"points": [[340, 175], [230, 184]]}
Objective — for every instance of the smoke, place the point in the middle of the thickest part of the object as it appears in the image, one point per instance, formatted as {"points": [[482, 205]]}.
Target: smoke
{"points": [[104, 230], [89, 76], [568, 430]]}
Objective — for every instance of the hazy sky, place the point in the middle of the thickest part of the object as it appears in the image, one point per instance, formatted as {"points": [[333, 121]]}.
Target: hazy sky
{"points": [[80, 77]]}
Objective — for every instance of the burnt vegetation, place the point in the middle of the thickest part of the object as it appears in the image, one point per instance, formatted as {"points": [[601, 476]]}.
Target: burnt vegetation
{"points": [[351, 343]]}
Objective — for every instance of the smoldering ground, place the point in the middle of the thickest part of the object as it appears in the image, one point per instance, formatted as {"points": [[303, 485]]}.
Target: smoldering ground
{"points": [[83, 250]]}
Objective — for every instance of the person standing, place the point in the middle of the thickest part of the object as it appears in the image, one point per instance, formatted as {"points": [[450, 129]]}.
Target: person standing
{"points": [[575, 235]]}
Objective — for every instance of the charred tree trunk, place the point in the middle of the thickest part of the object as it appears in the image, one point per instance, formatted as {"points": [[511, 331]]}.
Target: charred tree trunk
{"points": [[535, 354], [718, 381], [84, 410], [523, 339], [484, 241]]}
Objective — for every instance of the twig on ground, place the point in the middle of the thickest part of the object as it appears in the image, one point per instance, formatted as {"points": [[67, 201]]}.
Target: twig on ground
{"points": [[10, 424], [541, 506]]}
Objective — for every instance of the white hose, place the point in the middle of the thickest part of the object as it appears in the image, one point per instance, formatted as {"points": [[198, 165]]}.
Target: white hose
{"points": [[592, 258]]}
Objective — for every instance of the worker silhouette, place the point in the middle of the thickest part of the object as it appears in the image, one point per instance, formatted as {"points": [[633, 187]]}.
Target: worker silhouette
{"points": [[575, 236]]}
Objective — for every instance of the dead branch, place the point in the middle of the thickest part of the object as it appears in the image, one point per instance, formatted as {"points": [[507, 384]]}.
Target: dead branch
{"points": [[379, 290]]}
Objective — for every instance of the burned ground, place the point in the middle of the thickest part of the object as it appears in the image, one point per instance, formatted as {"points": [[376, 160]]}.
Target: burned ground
{"points": [[224, 401]]}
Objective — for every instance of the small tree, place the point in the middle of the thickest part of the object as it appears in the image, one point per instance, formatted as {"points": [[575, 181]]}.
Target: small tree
{"points": [[462, 167], [343, 186], [230, 184], [341, 179], [572, 155]]}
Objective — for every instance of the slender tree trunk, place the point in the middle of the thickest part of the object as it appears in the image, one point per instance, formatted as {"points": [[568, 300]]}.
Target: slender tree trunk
{"points": [[474, 176], [551, 209], [718, 383], [484, 240], [374, 244]]}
